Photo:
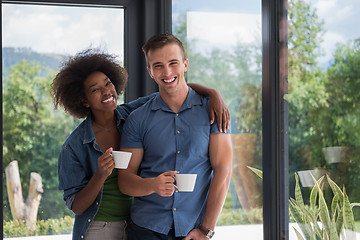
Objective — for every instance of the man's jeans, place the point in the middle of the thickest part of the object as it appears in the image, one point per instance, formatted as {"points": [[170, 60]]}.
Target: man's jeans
{"points": [[138, 233]]}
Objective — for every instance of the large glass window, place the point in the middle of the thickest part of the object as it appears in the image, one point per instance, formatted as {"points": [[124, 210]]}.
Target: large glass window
{"points": [[324, 86], [35, 40], [223, 45]]}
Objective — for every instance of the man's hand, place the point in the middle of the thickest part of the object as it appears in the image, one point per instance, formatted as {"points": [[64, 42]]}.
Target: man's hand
{"points": [[163, 184], [195, 234]]}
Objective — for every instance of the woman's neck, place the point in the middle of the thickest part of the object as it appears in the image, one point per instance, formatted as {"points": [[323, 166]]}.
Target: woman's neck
{"points": [[105, 122]]}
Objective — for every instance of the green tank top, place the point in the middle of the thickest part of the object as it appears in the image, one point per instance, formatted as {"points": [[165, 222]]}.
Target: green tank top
{"points": [[114, 205]]}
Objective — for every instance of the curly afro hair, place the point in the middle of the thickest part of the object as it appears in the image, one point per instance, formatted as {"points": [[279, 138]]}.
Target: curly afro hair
{"points": [[67, 87]]}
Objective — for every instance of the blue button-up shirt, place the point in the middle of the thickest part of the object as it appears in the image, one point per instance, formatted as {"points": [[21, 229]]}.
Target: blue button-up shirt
{"points": [[78, 163], [172, 141]]}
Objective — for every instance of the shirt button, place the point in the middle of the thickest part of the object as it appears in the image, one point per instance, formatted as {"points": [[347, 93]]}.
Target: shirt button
{"points": [[89, 220], [177, 114], [177, 131], [82, 236], [97, 203], [178, 152], [174, 209]]}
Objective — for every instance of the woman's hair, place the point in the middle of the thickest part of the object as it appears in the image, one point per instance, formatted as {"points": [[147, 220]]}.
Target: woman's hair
{"points": [[67, 87]]}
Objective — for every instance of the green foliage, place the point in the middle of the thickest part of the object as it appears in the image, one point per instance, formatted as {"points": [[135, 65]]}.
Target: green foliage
{"points": [[239, 216], [342, 85], [230, 216], [43, 227], [321, 221], [32, 131], [248, 116], [306, 80]]}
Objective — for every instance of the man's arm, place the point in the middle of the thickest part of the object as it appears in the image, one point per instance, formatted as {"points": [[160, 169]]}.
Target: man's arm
{"points": [[220, 151], [133, 185], [217, 105]]}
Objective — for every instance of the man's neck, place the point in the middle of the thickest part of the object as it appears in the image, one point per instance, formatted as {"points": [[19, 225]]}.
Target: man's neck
{"points": [[175, 101]]}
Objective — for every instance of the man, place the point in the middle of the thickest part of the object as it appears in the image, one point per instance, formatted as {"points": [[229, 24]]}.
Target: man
{"points": [[172, 134]]}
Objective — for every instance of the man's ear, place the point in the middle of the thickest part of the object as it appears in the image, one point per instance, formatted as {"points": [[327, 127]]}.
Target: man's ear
{"points": [[149, 71], [186, 63], [85, 103]]}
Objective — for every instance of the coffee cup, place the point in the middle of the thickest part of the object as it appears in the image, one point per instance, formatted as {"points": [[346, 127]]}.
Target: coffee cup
{"points": [[121, 159], [185, 182]]}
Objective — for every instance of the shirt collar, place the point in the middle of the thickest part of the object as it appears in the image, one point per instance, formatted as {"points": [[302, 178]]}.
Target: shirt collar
{"points": [[192, 99], [89, 134]]}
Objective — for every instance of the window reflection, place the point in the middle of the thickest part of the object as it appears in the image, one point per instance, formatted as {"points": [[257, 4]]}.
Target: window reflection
{"points": [[223, 44]]}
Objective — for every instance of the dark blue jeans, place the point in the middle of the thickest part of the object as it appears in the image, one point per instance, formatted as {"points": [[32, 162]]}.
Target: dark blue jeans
{"points": [[138, 233]]}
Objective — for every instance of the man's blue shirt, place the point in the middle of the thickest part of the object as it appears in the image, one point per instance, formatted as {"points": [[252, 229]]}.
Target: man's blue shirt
{"points": [[172, 141], [78, 163]]}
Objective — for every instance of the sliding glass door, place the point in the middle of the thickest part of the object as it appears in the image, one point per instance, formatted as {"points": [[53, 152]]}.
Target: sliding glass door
{"points": [[223, 45]]}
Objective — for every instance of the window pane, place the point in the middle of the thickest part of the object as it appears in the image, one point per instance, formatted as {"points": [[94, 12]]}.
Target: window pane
{"points": [[35, 40], [324, 86], [223, 45]]}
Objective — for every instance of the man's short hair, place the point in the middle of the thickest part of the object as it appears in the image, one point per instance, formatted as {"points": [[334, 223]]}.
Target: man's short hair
{"points": [[159, 41]]}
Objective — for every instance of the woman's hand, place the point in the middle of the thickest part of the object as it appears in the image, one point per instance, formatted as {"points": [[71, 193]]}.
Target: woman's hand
{"points": [[218, 106], [106, 163]]}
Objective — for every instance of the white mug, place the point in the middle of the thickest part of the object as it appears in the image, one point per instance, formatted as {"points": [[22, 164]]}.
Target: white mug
{"points": [[121, 159], [185, 182]]}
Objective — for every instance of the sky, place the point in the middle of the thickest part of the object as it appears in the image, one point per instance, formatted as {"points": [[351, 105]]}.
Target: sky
{"points": [[64, 30], [341, 23], [227, 21], [70, 29]]}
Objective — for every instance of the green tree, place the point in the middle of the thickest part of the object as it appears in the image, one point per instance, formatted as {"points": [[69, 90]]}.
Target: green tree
{"points": [[33, 133], [306, 83], [343, 124]]}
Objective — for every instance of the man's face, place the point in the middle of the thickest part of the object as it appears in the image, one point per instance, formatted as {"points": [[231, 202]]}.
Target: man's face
{"points": [[167, 67]]}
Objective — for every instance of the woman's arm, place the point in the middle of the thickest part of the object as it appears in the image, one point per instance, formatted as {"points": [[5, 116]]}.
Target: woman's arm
{"points": [[85, 197], [217, 105], [131, 106]]}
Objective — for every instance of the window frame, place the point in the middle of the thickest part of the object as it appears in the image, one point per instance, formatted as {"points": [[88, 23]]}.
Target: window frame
{"points": [[275, 112]]}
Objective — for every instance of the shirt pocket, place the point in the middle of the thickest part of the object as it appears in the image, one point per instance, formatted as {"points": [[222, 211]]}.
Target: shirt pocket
{"points": [[199, 139]]}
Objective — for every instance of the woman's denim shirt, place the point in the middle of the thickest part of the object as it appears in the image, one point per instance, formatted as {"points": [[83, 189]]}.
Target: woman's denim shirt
{"points": [[78, 163]]}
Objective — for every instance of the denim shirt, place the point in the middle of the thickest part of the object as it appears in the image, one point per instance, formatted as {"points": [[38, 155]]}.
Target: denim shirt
{"points": [[78, 163], [172, 141]]}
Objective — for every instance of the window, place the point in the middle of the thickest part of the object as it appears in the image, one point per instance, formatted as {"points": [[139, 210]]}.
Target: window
{"points": [[223, 45], [324, 57], [35, 40], [318, 111]]}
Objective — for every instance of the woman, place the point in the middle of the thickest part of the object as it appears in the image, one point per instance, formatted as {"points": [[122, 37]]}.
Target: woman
{"points": [[88, 86]]}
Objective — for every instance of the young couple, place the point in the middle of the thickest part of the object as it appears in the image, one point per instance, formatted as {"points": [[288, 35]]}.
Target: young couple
{"points": [[168, 132]]}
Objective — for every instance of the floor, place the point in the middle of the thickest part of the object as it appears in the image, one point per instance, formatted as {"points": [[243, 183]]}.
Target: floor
{"points": [[253, 232]]}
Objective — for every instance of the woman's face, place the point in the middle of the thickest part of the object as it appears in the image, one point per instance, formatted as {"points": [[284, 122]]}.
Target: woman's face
{"points": [[100, 93]]}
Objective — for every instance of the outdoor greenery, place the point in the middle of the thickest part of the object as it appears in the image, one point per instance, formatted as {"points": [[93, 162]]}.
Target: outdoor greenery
{"points": [[322, 101], [50, 226], [320, 220], [33, 134], [323, 111]]}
